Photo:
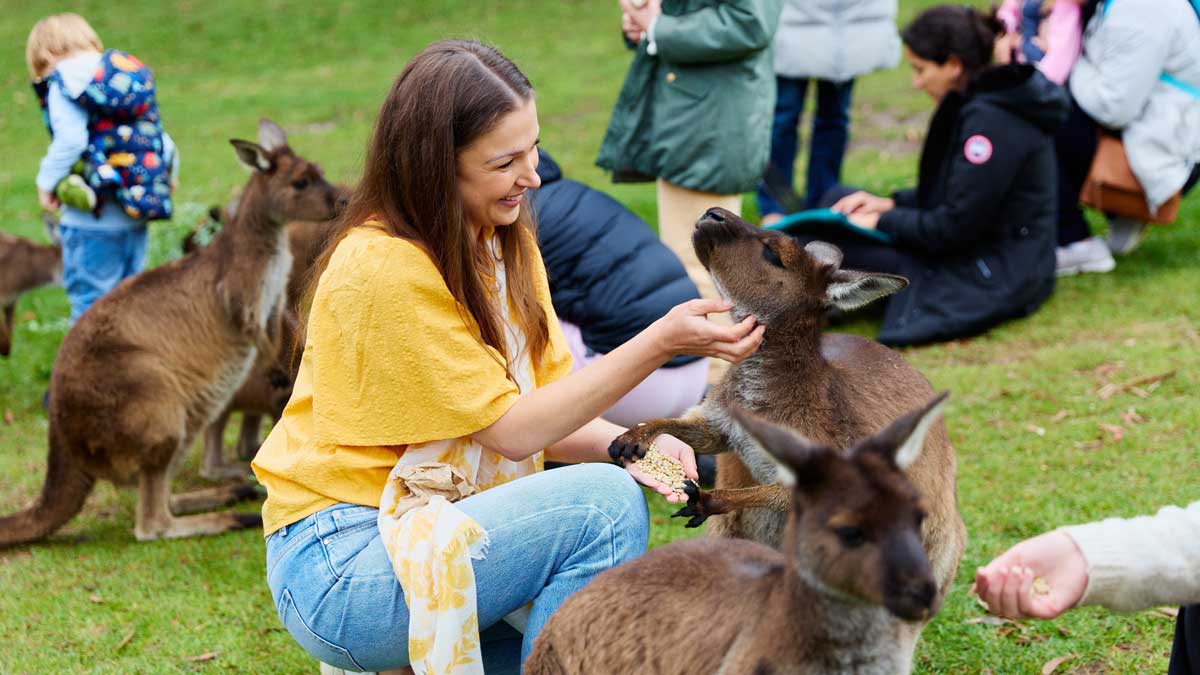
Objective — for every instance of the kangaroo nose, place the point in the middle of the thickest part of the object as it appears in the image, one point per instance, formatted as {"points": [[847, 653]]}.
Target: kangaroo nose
{"points": [[715, 214]]}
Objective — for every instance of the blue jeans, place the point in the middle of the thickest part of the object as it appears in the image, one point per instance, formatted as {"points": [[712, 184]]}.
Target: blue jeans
{"points": [[551, 533], [830, 133], [95, 261]]}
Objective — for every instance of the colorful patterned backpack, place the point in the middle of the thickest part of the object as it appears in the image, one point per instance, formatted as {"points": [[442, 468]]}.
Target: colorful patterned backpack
{"points": [[124, 158]]}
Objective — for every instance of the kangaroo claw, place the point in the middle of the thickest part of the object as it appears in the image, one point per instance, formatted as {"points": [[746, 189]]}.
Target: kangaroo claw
{"points": [[626, 449], [698, 506]]}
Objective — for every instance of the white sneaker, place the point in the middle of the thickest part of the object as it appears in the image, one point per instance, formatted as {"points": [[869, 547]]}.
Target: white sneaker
{"points": [[1088, 255], [1124, 234]]}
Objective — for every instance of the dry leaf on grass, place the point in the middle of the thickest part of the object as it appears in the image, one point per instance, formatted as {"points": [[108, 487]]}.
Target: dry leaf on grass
{"points": [[125, 640], [1053, 664], [1142, 386], [1113, 430], [1040, 431], [1131, 416], [1060, 415], [1165, 612], [8, 417], [989, 620], [206, 656], [95, 598]]}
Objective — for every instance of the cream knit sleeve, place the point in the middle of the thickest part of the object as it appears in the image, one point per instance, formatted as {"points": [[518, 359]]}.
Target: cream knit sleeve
{"points": [[1142, 562]]}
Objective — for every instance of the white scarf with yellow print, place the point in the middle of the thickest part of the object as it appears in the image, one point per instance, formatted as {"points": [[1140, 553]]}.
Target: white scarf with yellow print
{"points": [[431, 542]]}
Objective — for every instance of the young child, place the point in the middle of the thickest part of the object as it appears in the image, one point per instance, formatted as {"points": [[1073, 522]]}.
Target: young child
{"points": [[110, 166], [1050, 34]]}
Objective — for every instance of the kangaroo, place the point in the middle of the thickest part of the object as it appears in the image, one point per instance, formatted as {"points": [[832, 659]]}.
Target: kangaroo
{"points": [[268, 387], [24, 266], [158, 358], [832, 388], [848, 593]]}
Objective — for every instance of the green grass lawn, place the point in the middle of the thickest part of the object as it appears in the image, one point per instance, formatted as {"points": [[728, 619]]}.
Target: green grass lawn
{"points": [[1038, 444]]}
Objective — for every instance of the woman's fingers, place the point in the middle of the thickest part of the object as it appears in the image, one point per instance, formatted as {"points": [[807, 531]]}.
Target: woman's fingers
{"points": [[851, 203], [739, 350], [706, 306], [649, 481]]}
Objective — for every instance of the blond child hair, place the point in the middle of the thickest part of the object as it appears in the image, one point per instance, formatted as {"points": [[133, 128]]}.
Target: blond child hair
{"points": [[55, 38]]}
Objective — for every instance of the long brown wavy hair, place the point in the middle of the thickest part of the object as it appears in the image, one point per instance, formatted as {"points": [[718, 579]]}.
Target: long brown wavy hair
{"points": [[449, 95]]}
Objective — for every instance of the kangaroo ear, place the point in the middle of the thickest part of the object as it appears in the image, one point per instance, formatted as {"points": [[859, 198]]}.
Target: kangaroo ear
{"points": [[903, 439], [793, 453], [252, 155], [848, 290], [270, 135], [826, 254]]}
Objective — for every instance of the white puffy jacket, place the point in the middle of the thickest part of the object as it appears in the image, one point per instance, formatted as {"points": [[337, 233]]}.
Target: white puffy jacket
{"points": [[836, 40], [1127, 47]]}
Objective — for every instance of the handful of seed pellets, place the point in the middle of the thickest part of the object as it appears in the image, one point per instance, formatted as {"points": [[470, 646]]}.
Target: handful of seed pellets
{"points": [[663, 468]]}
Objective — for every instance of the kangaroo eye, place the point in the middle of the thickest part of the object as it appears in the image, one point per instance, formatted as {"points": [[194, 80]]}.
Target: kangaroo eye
{"points": [[851, 537], [300, 184], [771, 256]]}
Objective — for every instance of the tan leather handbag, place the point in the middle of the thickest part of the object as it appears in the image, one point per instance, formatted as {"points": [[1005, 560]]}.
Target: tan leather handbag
{"points": [[1112, 188]]}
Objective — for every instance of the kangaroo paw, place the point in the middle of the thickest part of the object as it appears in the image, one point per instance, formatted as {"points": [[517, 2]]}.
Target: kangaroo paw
{"points": [[630, 446], [700, 505]]}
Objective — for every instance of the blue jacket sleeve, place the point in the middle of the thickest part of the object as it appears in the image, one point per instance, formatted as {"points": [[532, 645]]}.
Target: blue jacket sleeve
{"points": [[975, 189], [69, 121]]}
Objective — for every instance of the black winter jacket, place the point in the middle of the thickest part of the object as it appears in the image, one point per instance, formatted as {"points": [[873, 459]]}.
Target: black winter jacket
{"points": [[981, 223], [609, 274]]}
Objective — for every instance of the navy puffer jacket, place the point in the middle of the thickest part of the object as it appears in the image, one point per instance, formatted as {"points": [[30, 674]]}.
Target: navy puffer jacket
{"points": [[609, 273]]}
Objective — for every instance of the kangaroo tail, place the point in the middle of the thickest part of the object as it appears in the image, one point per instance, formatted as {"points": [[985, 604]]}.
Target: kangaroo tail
{"points": [[66, 488]]}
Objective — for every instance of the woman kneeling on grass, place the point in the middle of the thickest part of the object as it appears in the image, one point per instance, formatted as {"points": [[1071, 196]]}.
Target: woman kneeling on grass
{"points": [[976, 238], [434, 359]]}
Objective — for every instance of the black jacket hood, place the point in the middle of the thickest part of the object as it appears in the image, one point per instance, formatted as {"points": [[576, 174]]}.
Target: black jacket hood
{"points": [[1023, 90]]}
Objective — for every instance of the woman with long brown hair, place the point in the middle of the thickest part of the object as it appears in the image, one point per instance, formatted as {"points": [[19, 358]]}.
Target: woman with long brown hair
{"points": [[434, 381]]}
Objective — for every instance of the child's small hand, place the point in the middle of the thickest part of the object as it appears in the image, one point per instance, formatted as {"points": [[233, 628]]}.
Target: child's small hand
{"points": [[48, 201]]}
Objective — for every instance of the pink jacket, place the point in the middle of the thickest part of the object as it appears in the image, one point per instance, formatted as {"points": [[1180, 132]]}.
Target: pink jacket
{"points": [[1064, 36]]}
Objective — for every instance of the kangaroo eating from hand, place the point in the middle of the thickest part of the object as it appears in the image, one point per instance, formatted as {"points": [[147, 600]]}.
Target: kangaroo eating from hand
{"points": [[832, 388], [155, 360], [848, 592]]}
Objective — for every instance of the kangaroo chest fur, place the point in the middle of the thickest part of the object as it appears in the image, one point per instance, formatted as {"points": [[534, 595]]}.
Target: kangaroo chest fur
{"points": [[230, 375]]}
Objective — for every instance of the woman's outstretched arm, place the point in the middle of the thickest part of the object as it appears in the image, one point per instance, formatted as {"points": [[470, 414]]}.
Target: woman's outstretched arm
{"points": [[547, 415]]}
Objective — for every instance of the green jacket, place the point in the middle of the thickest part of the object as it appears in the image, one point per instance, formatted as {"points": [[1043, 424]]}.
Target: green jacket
{"points": [[698, 113]]}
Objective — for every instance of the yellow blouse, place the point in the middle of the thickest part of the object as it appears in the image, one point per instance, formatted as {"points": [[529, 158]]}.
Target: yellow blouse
{"points": [[389, 362]]}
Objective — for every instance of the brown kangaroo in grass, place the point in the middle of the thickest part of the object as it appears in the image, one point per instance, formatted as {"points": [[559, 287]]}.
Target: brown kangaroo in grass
{"points": [[848, 592], [832, 388], [269, 386], [24, 266], [154, 361]]}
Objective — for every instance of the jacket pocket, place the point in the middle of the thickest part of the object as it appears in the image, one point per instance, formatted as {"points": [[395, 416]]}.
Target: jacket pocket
{"points": [[320, 648]]}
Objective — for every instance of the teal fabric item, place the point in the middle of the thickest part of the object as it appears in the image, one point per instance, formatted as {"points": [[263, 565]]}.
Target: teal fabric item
{"points": [[1180, 84], [825, 222], [697, 113]]}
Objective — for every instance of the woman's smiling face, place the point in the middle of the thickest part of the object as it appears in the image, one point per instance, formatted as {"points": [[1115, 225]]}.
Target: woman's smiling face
{"points": [[495, 170]]}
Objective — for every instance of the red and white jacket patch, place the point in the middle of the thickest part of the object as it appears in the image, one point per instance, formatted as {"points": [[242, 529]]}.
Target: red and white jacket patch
{"points": [[978, 149]]}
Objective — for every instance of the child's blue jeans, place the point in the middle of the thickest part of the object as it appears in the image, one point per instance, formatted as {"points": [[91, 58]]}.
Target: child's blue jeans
{"points": [[827, 147], [95, 261], [550, 533]]}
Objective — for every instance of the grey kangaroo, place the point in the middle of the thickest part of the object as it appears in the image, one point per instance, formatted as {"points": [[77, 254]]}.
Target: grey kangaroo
{"points": [[158, 358]]}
